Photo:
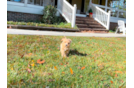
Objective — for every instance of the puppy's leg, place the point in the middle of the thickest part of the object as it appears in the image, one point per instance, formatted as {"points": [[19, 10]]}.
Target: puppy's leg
{"points": [[64, 55], [67, 52]]}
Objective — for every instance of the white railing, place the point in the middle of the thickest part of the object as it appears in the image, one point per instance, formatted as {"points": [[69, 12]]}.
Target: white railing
{"points": [[67, 11], [101, 16], [110, 8]]}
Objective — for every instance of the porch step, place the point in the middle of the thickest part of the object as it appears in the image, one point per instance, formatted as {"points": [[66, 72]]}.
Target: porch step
{"points": [[87, 29], [88, 19], [94, 30], [95, 26], [82, 25], [90, 25]]}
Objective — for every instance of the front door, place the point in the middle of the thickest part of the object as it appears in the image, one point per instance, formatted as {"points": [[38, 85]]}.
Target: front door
{"points": [[82, 6]]}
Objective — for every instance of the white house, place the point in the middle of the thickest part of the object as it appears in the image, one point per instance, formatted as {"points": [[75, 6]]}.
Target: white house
{"points": [[104, 11]]}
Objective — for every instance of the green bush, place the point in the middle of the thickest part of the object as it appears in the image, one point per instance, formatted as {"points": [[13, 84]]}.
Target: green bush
{"points": [[49, 15]]}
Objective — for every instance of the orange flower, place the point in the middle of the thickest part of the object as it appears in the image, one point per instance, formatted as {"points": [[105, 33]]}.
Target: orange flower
{"points": [[40, 62], [71, 70], [82, 68], [111, 81], [55, 67]]}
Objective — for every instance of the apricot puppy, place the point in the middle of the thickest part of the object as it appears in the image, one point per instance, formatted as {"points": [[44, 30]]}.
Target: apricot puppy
{"points": [[65, 47]]}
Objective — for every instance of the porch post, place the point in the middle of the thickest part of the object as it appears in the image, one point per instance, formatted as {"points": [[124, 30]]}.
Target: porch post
{"points": [[74, 16], [58, 3], [106, 5], [118, 11], [89, 4], [25, 2]]}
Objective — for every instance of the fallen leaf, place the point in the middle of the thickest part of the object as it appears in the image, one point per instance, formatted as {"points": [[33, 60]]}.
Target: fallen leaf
{"points": [[124, 61], [61, 64], [50, 80], [63, 72], [32, 74], [102, 53], [71, 70], [40, 62], [111, 81], [55, 67], [30, 54], [116, 75], [118, 72], [28, 70], [81, 76], [49, 73], [28, 65], [82, 68]]}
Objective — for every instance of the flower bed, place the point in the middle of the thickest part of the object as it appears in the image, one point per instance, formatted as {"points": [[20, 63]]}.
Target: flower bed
{"points": [[61, 25]]}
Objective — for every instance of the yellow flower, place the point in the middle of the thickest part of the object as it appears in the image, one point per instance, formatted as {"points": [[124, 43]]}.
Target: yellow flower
{"points": [[32, 60], [11, 68], [32, 64]]}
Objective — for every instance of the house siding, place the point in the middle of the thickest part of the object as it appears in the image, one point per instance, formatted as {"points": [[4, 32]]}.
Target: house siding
{"points": [[114, 25], [17, 16]]}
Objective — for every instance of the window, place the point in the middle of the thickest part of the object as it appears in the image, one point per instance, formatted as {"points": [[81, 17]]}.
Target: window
{"points": [[117, 5], [19, 1]]}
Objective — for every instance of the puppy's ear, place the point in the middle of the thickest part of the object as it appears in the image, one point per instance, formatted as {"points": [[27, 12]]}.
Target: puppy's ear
{"points": [[70, 40], [62, 39]]}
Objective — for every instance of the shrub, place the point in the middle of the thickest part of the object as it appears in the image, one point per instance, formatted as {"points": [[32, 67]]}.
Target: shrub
{"points": [[49, 15]]}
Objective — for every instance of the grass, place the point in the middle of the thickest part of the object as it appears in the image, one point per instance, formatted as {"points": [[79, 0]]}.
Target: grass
{"points": [[111, 31], [92, 62], [61, 25]]}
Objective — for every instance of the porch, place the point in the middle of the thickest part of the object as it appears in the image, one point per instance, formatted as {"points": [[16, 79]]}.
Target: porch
{"points": [[70, 12]]}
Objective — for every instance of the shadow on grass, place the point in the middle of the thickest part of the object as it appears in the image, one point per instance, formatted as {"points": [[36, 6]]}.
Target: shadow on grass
{"points": [[75, 52]]}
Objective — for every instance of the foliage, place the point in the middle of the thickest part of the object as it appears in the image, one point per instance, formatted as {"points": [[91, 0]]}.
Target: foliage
{"points": [[50, 17], [90, 11], [93, 62], [61, 25]]}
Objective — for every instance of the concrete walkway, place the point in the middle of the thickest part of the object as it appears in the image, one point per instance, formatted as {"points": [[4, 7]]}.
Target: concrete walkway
{"points": [[56, 33]]}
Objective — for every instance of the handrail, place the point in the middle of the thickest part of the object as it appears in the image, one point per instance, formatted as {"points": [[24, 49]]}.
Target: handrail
{"points": [[67, 11], [101, 16], [108, 8]]}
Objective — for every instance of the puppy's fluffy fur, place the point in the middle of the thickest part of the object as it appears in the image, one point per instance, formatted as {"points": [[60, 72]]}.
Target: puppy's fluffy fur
{"points": [[65, 47]]}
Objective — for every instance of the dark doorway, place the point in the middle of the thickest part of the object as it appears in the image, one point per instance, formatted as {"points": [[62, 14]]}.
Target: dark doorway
{"points": [[100, 2], [82, 5], [70, 1], [55, 2]]}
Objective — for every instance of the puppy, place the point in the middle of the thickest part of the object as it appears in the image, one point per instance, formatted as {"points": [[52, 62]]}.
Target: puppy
{"points": [[65, 47]]}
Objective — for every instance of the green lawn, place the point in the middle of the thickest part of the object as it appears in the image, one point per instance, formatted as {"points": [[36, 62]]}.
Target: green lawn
{"points": [[92, 62]]}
